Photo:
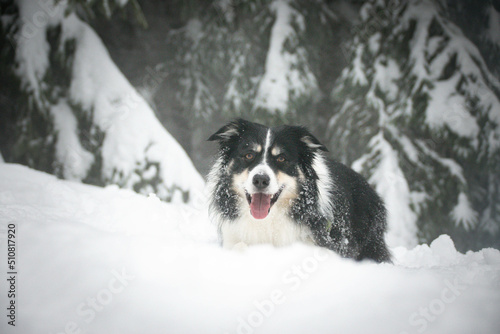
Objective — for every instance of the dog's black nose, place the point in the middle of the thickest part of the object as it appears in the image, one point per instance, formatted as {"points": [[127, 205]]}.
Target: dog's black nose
{"points": [[261, 181]]}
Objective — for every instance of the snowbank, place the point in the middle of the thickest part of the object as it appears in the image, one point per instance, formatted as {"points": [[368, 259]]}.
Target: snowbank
{"points": [[111, 261]]}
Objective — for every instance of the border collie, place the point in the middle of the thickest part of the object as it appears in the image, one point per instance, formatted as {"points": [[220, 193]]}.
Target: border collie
{"points": [[276, 186]]}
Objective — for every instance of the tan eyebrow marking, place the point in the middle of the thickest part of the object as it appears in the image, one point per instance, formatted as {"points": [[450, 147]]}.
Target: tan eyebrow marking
{"points": [[257, 148], [275, 151]]}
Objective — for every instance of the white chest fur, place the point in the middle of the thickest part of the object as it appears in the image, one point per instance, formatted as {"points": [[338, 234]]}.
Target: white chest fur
{"points": [[276, 229]]}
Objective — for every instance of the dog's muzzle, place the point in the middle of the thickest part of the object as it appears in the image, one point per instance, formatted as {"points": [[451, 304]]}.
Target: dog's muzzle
{"points": [[261, 202]]}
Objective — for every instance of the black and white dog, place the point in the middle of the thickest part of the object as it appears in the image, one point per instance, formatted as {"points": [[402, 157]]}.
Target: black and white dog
{"points": [[276, 186]]}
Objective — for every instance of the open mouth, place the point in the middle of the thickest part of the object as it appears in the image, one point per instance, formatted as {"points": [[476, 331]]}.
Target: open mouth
{"points": [[260, 203]]}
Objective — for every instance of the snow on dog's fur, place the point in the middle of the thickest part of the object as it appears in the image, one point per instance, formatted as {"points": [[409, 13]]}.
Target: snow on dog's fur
{"points": [[276, 186]]}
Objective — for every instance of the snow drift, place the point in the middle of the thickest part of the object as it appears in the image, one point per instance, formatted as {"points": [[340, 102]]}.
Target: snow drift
{"points": [[109, 260]]}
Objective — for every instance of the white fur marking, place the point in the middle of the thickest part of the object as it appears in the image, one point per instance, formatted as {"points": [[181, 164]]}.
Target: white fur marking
{"points": [[263, 169], [268, 143], [257, 148], [229, 133], [276, 229], [213, 176], [324, 184], [308, 141]]}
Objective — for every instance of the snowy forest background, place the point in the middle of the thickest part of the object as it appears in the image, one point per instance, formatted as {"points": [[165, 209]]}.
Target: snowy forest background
{"points": [[407, 92]]}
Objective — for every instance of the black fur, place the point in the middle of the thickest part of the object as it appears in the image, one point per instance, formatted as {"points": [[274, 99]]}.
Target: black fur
{"points": [[355, 223]]}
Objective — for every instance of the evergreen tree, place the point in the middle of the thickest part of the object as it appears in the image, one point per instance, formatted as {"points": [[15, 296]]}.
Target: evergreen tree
{"points": [[68, 110], [253, 59], [418, 112], [480, 22]]}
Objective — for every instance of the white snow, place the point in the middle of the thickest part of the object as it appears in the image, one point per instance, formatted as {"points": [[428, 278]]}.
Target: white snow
{"points": [[387, 177], [74, 159], [133, 134], [226, 8], [434, 43], [374, 43], [408, 148], [358, 70], [385, 77], [447, 106], [284, 78], [463, 213], [422, 12], [32, 47], [453, 167], [233, 97], [194, 30], [493, 32], [122, 3], [390, 183], [111, 261]]}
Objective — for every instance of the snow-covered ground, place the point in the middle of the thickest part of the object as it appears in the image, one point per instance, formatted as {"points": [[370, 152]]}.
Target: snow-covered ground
{"points": [[93, 260]]}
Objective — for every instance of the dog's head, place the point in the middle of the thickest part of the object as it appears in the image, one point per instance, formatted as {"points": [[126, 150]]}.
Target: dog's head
{"points": [[265, 166]]}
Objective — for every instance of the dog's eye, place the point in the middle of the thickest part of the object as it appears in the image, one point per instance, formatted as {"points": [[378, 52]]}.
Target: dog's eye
{"points": [[249, 156], [281, 159]]}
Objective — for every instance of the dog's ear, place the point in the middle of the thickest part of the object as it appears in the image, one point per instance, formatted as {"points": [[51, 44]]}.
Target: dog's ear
{"points": [[228, 131], [311, 141]]}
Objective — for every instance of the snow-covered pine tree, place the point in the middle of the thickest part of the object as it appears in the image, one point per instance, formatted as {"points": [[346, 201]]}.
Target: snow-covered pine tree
{"points": [[198, 72], [262, 60], [287, 85], [247, 58], [68, 110], [480, 22], [418, 112]]}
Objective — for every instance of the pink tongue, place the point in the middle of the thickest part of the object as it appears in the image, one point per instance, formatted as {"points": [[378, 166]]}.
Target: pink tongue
{"points": [[260, 205]]}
